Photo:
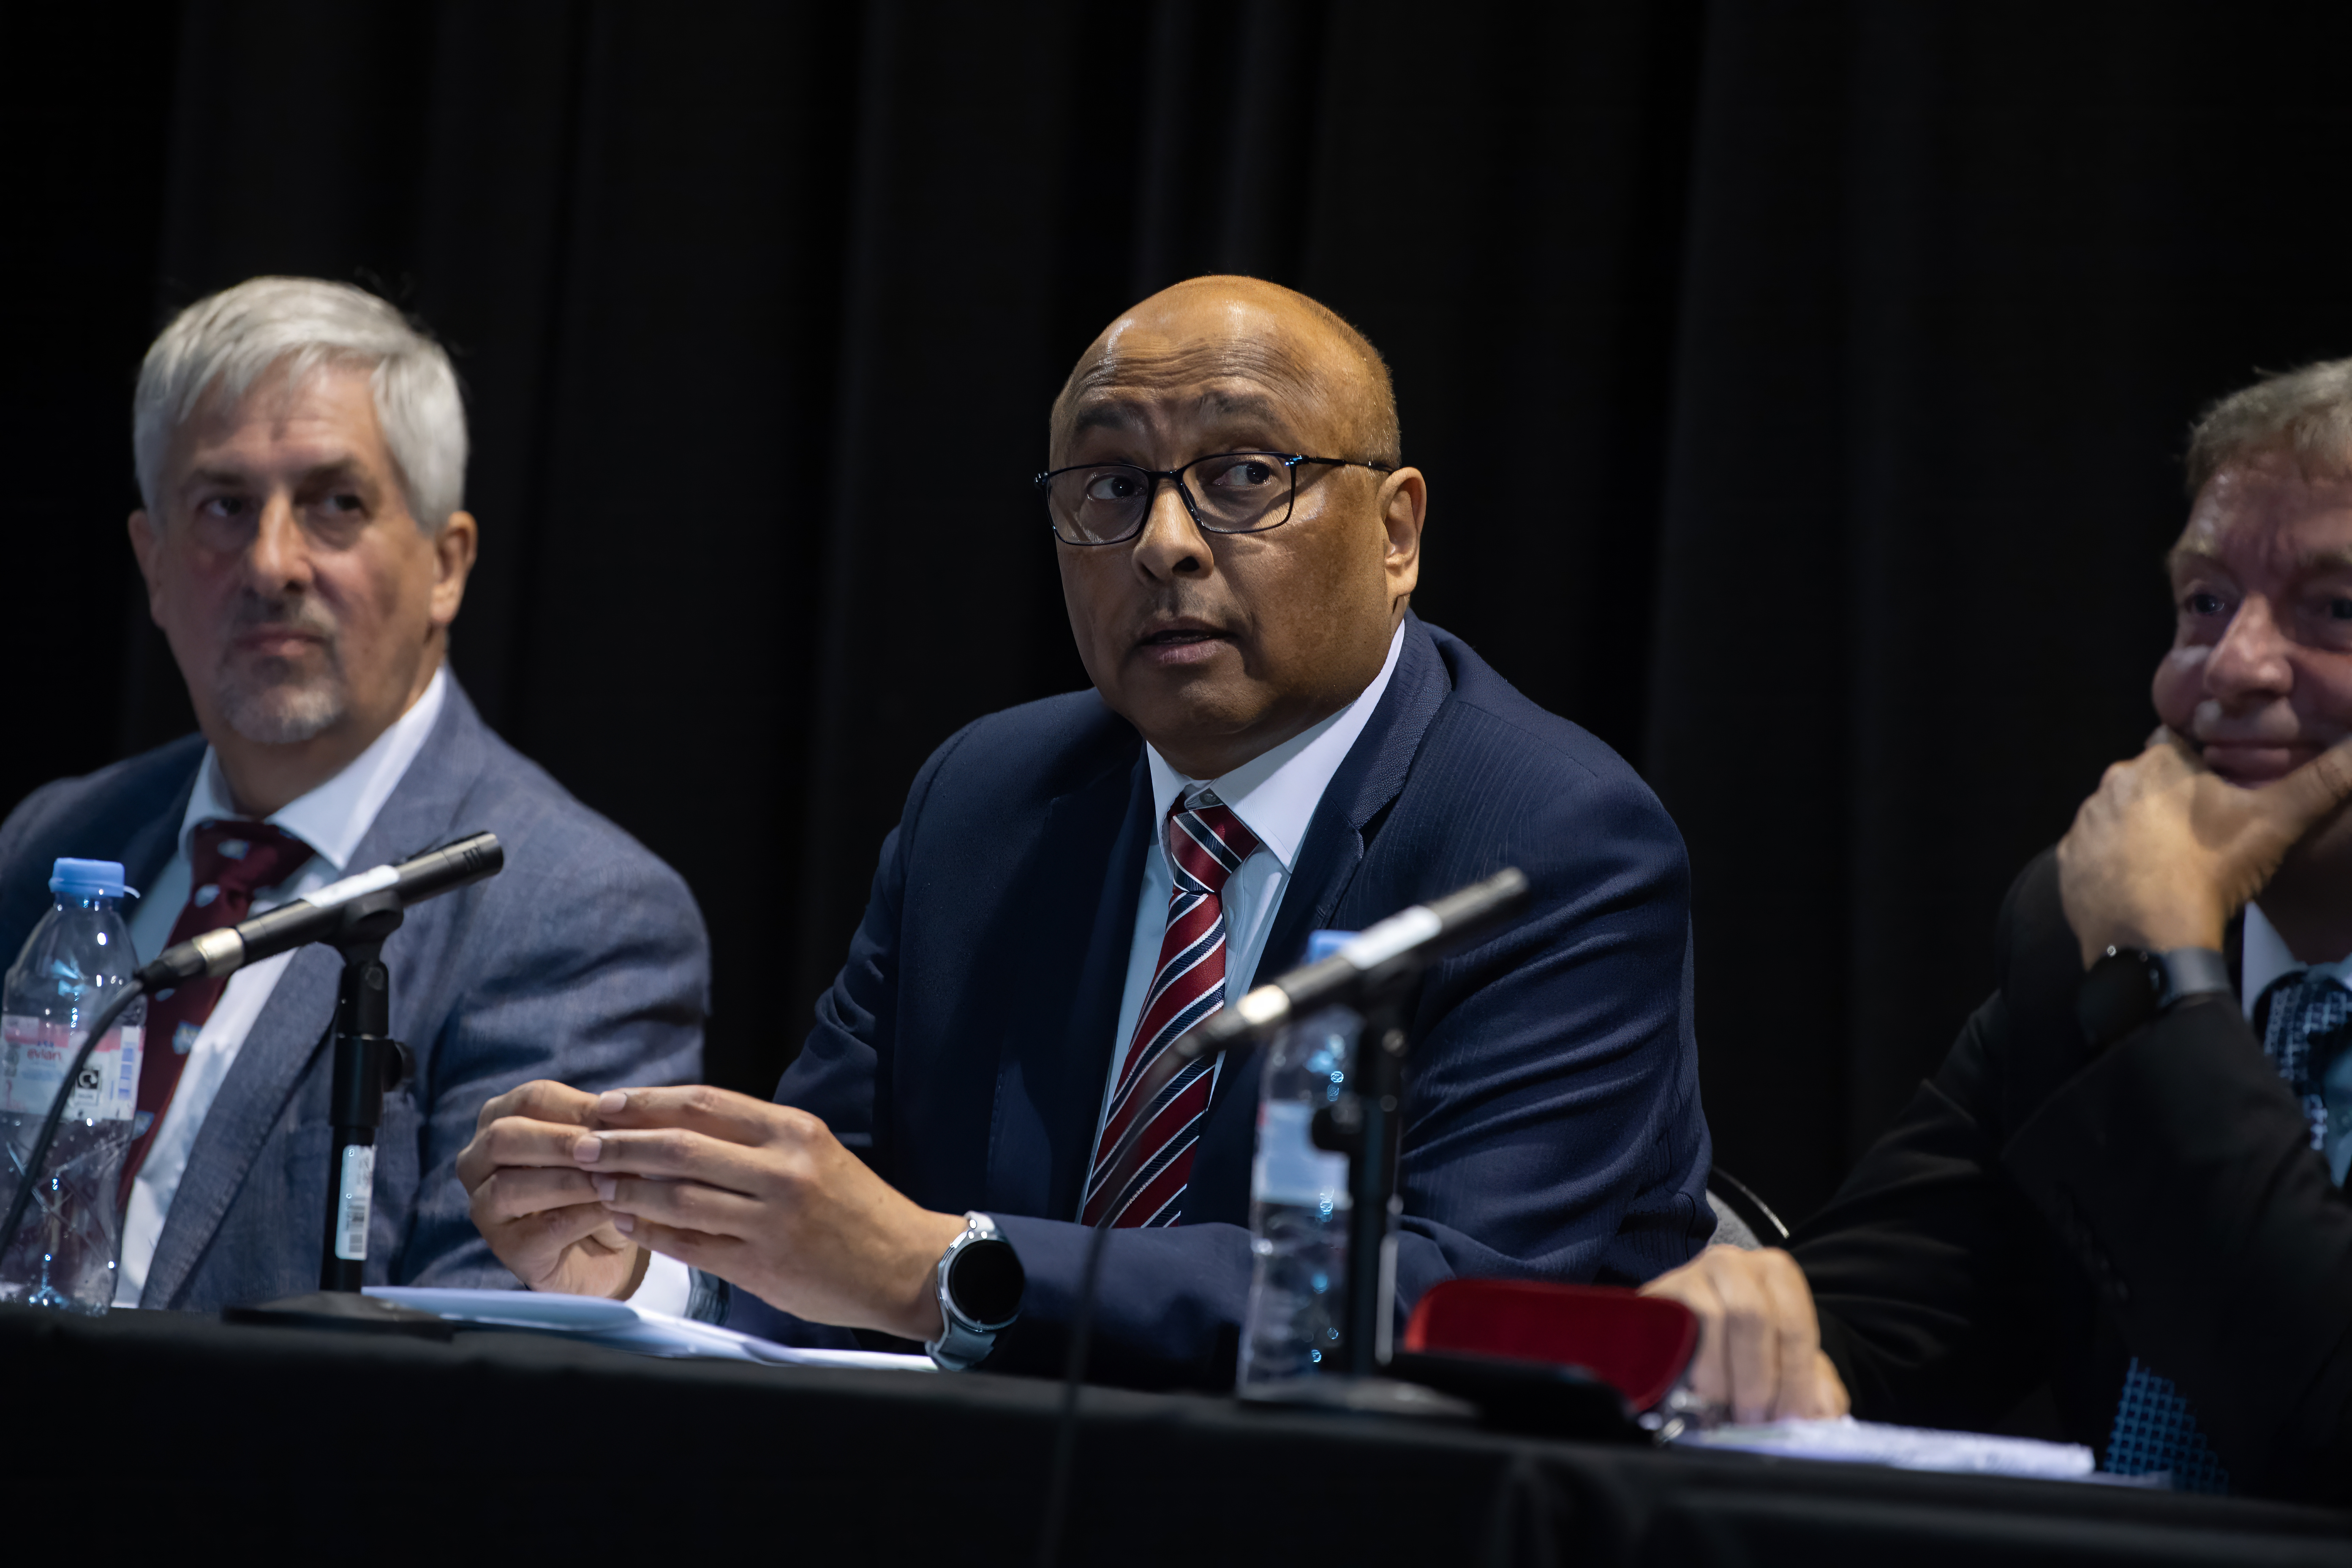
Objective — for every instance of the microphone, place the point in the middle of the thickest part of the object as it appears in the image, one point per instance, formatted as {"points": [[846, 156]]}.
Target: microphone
{"points": [[317, 918], [1366, 965], [1366, 968]]}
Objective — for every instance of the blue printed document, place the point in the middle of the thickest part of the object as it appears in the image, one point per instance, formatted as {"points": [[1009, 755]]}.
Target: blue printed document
{"points": [[616, 1325]]}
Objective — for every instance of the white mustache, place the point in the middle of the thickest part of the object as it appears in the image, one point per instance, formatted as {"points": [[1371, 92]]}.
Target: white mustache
{"points": [[302, 614]]}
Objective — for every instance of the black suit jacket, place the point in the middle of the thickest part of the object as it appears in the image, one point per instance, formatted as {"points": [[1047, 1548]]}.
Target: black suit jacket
{"points": [[2042, 1214], [1552, 1125]]}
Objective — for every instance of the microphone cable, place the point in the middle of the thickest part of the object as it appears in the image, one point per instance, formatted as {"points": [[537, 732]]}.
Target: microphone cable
{"points": [[1074, 1374]]}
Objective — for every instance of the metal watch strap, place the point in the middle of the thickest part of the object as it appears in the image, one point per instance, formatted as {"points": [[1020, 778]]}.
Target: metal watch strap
{"points": [[962, 1343]]}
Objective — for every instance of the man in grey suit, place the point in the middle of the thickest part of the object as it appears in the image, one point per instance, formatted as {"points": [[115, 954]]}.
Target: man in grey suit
{"points": [[301, 454]]}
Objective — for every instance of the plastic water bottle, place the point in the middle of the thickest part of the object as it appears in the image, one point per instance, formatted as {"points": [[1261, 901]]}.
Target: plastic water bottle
{"points": [[1298, 1200], [77, 960]]}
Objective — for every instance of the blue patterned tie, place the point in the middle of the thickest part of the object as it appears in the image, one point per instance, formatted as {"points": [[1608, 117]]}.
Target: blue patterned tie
{"points": [[2309, 1014], [2154, 1429]]}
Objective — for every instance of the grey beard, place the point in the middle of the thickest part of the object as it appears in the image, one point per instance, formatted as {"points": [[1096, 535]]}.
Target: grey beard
{"points": [[280, 713]]}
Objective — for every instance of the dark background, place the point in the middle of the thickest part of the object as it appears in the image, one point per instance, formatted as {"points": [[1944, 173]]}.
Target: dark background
{"points": [[1801, 388]]}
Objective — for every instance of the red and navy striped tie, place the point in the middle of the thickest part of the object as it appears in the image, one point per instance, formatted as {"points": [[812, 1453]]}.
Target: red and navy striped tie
{"points": [[1206, 843]]}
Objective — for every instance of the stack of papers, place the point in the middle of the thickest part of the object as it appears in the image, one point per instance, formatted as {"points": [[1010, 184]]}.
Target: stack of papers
{"points": [[1904, 1447], [616, 1325]]}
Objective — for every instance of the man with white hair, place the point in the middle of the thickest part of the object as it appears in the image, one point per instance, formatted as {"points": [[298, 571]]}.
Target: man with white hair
{"points": [[302, 454], [2124, 1183]]}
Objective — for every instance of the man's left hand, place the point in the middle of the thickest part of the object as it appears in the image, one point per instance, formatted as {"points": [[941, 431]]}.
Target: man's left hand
{"points": [[2167, 850], [765, 1197], [1759, 1342]]}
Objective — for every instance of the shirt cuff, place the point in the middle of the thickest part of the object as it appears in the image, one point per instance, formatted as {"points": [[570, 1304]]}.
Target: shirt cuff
{"points": [[667, 1287]]}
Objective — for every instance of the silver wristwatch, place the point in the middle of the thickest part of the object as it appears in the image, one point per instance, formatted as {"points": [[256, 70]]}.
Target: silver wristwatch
{"points": [[980, 1287]]}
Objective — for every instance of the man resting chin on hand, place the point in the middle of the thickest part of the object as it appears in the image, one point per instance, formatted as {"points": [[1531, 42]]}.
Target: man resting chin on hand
{"points": [[2155, 859], [2124, 1179]]}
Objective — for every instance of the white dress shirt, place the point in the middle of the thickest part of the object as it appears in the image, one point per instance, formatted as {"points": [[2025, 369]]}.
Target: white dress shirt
{"points": [[2264, 957], [331, 819], [1275, 796]]}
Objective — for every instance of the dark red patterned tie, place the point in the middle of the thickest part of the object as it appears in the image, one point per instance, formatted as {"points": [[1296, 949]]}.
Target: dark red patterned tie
{"points": [[1206, 844], [229, 862]]}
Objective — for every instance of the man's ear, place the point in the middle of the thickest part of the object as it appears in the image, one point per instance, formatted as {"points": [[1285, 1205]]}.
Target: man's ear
{"points": [[147, 547], [1403, 502], [454, 548]]}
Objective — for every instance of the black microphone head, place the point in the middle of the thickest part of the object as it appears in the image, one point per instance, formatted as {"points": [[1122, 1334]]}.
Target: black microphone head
{"points": [[1219, 1031], [483, 854], [1467, 911], [450, 867]]}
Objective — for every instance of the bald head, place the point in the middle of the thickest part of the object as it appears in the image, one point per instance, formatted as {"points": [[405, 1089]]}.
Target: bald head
{"points": [[1219, 643], [1208, 329]]}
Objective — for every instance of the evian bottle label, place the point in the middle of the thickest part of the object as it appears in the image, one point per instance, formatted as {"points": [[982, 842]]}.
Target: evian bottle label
{"points": [[34, 1054]]}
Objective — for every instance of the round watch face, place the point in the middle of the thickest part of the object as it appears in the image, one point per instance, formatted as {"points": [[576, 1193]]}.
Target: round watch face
{"points": [[985, 1281]]}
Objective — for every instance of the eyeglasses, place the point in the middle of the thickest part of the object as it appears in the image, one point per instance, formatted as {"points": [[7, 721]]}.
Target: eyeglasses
{"points": [[1240, 493]]}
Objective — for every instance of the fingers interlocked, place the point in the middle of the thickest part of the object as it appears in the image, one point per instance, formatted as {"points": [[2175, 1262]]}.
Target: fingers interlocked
{"points": [[686, 1170], [531, 1200]]}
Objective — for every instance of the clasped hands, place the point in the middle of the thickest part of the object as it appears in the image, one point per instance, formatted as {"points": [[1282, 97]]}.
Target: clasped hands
{"points": [[573, 1190], [2161, 857]]}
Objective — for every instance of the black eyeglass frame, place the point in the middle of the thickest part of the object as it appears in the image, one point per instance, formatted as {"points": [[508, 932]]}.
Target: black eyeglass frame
{"points": [[1289, 460]]}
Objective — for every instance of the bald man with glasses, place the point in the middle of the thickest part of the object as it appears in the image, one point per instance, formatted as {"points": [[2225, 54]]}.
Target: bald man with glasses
{"points": [[1227, 492], [1275, 745]]}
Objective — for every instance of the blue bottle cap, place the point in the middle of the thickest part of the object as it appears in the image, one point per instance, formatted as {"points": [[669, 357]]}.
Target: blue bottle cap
{"points": [[1322, 945], [88, 879]]}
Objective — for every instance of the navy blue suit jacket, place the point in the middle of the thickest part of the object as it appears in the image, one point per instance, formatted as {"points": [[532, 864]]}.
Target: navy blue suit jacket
{"points": [[1552, 1125]]}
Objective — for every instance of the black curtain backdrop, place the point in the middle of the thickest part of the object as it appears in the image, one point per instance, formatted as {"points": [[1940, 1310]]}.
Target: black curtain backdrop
{"points": [[1801, 387]]}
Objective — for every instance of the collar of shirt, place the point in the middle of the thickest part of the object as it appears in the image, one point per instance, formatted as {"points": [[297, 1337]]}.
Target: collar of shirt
{"points": [[1275, 794], [333, 818], [2264, 956]]}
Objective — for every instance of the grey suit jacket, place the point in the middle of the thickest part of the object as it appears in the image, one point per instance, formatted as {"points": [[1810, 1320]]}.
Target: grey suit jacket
{"points": [[585, 960]]}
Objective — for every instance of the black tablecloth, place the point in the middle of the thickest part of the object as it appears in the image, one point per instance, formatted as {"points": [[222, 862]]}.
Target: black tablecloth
{"points": [[174, 1433]]}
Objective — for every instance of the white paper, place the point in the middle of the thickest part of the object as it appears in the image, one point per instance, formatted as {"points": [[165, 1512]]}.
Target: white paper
{"points": [[618, 1325], [1903, 1447]]}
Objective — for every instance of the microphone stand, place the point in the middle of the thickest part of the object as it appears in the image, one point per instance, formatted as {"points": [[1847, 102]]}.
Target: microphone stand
{"points": [[1370, 1145], [368, 1063], [1364, 1125]]}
